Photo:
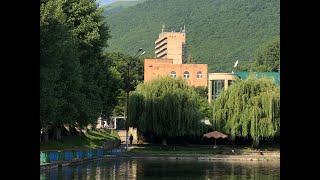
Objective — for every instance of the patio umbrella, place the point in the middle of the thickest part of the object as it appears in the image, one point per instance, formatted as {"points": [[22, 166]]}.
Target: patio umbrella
{"points": [[215, 135]]}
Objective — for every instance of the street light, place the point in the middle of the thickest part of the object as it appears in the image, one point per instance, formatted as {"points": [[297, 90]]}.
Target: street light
{"points": [[128, 90], [140, 49]]}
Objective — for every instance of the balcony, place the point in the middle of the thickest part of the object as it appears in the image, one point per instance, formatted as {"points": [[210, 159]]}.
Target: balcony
{"points": [[160, 50], [160, 45], [162, 54], [160, 40]]}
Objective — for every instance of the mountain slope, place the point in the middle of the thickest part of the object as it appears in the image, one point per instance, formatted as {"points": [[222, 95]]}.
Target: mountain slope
{"points": [[219, 32], [119, 5]]}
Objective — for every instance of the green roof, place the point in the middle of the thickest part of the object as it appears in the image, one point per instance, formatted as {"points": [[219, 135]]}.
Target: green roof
{"points": [[274, 75]]}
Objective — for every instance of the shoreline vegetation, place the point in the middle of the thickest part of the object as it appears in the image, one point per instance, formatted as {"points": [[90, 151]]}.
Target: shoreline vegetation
{"points": [[90, 139]]}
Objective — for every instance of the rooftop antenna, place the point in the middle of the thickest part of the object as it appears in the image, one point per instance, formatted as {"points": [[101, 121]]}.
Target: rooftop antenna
{"points": [[184, 29], [162, 27]]}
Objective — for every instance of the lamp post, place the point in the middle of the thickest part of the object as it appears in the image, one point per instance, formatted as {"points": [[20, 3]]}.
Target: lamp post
{"points": [[128, 90]]}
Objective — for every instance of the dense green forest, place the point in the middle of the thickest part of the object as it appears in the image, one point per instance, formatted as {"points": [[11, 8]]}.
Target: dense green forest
{"points": [[219, 32]]}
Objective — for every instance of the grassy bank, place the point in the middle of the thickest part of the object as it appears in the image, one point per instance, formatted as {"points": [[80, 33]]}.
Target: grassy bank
{"points": [[154, 150], [91, 139]]}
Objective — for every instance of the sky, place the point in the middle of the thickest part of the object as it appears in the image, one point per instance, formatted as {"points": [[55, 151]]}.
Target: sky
{"points": [[106, 2]]}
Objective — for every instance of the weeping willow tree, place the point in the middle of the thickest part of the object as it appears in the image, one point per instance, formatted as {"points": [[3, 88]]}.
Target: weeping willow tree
{"points": [[165, 107], [249, 108]]}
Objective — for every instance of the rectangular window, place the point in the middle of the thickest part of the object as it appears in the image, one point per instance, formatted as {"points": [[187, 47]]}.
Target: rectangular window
{"points": [[218, 86], [229, 83]]}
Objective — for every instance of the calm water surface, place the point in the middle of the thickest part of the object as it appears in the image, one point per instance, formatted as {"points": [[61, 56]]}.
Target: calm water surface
{"points": [[166, 169]]}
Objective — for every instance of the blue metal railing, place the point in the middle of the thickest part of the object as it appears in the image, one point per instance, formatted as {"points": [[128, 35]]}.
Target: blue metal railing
{"points": [[68, 155], [53, 156]]}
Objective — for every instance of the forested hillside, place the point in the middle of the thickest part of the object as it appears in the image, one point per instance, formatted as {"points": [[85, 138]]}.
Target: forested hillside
{"points": [[219, 32]]}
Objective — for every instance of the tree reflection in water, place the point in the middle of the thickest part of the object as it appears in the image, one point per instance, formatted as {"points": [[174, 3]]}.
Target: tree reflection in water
{"points": [[154, 169]]}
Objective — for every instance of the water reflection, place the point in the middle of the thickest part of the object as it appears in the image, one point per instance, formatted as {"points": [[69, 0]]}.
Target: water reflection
{"points": [[166, 169]]}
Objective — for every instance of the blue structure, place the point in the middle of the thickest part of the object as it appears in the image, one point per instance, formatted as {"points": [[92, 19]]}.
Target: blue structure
{"points": [[80, 154], [89, 153], [68, 155], [99, 153], [53, 156], [116, 151]]}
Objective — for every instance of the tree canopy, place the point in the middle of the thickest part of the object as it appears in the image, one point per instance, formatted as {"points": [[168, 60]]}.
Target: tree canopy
{"points": [[121, 62], [266, 58], [165, 107], [249, 108], [77, 84]]}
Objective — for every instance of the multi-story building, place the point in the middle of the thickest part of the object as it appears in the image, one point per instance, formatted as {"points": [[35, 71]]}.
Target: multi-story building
{"points": [[171, 45], [170, 61]]}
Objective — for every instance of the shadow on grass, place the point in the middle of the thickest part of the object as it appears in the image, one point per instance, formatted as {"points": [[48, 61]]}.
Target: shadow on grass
{"points": [[92, 139], [102, 134]]}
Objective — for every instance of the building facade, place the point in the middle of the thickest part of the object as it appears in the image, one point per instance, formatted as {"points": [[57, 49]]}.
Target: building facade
{"points": [[171, 45], [217, 83], [195, 74], [169, 61]]}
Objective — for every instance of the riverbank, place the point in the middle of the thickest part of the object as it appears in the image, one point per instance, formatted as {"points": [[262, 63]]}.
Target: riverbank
{"points": [[250, 157], [205, 152], [155, 150], [91, 139], [193, 152]]}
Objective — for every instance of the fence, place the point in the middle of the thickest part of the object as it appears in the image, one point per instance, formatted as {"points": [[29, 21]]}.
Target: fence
{"points": [[69, 155]]}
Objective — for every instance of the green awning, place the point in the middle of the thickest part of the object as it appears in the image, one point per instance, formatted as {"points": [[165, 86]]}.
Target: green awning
{"points": [[274, 75]]}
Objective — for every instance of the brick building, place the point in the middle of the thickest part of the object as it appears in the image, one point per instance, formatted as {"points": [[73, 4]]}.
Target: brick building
{"points": [[195, 74], [169, 61]]}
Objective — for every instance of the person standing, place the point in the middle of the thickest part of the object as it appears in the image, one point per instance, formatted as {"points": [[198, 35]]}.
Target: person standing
{"points": [[131, 138]]}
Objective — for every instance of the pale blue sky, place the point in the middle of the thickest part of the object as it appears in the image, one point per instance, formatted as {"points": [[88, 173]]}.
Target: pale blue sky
{"points": [[105, 2]]}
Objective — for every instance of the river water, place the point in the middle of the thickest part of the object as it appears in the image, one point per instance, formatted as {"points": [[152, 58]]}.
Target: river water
{"points": [[167, 169]]}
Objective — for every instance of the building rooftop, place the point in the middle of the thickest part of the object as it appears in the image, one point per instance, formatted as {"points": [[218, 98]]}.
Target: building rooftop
{"points": [[274, 75]]}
